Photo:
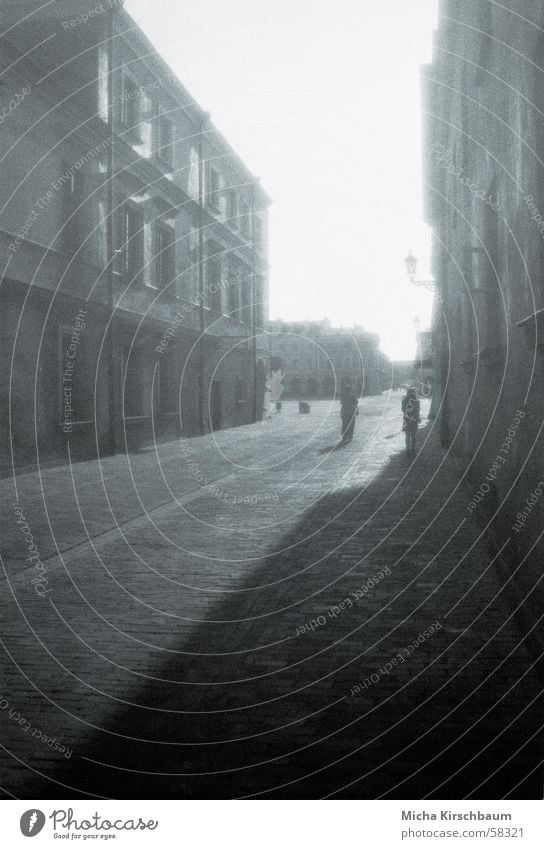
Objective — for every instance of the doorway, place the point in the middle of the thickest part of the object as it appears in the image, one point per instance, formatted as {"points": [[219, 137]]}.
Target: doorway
{"points": [[215, 405]]}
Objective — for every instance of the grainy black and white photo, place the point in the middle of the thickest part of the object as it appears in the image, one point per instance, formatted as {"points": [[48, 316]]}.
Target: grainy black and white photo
{"points": [[271, 410]]}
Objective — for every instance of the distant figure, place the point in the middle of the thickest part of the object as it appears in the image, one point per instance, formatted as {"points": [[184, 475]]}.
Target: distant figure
{"points": [[277, 388], [349, 408], [411, 420]]}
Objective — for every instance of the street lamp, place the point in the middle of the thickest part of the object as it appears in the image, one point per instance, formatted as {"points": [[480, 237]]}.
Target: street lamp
{"points": [[411, 267], [411, 264]]}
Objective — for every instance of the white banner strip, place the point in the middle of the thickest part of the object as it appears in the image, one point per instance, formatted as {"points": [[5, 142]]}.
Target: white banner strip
{"points": [[273, 824]]}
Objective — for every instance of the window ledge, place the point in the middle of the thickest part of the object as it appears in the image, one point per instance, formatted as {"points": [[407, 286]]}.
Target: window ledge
{"points": [[535, 317], [533, 326], [164, 163], [213, 207], [132, 135]]}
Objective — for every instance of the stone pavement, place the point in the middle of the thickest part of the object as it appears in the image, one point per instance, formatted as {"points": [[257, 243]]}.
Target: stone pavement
{"points": [[255, 614]]}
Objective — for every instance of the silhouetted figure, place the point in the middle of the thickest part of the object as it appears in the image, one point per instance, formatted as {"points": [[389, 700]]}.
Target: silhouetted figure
{"points": [[277, 388], [411, 420], [348, 410]]}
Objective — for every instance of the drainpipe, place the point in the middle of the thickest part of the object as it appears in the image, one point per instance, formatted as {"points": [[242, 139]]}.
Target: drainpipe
{"points": [[254, 302], [112, 334], [201, 312]]}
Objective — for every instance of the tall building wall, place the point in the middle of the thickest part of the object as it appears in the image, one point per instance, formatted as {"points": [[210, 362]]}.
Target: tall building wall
{"points": [[120, 198], [484, 155]]}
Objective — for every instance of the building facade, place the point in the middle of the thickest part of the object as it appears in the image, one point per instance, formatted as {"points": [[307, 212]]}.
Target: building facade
{"points": [[134, 244], [404, 374], [317, 359], [424, 362], [418, 372], [483, 149]]}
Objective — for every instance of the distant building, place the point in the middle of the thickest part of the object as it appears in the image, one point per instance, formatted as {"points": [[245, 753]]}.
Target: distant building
{"points": [[418, 372], [317, 359], [134, 244], [403, 374]]}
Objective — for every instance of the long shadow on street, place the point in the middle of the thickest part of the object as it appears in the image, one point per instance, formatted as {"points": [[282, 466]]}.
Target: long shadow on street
{"points": [[307, 696]]}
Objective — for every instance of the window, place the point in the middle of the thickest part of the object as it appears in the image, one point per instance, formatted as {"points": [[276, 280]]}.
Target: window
{"points": [[258, 233], [194, 259], [130, 107], [133, 382], [234, 295], [240, 392], [76, 383], [168, 382], [232, 211], [245, 219], [165, 256], [73, 196], [246, 297], [165, 140], [103, 83], [214, 187], [102, 233], [192, 178], [214, 283], [132, 241], [485, 58]]}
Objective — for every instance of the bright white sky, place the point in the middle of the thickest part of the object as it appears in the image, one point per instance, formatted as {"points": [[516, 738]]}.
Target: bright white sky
{"points": [[321, 98]]}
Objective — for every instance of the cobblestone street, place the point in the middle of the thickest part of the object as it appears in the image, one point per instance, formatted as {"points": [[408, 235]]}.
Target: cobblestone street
{"points": [[253, 613]]}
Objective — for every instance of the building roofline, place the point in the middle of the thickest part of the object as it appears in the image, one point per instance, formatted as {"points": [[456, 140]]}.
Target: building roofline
{"points": [[21, 11], [213, 133]]}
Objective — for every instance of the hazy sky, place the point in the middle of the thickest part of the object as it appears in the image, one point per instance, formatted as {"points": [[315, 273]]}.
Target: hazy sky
{"points": [[321, 99]]}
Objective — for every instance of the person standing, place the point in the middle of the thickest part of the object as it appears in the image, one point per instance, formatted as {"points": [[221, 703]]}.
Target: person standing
{"points": [[277, 388], [349, 408], [411, 419]]}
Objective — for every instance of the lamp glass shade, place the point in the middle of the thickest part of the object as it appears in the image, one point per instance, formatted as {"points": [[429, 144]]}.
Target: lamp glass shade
{"points": [[411, 264]]}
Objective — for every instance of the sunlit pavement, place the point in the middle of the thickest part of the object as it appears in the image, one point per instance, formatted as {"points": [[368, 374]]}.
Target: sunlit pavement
{"points": [[210, 628]]}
